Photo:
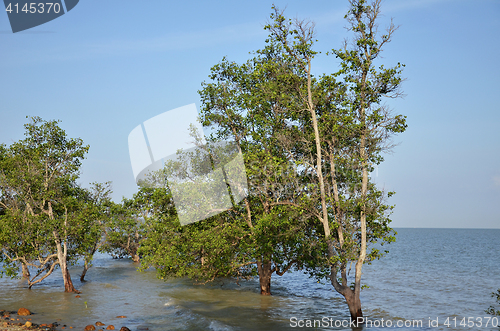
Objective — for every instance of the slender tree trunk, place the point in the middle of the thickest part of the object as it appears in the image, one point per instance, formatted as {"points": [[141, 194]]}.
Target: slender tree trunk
{"points": [[26, 271], [352, 297], [355, 309], [61, 256], [84, 272], [265, 272], [68, 284]]}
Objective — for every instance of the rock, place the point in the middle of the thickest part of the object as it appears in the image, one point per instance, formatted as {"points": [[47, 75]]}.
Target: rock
{"points": [[28, 324], [23, 312], [121, 316], [110, 327], [99, 323], [77, 296], [89, 328], [124, 328]]}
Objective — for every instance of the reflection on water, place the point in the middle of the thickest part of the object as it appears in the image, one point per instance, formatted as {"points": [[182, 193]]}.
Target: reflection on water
{"points": [[426, 275]]}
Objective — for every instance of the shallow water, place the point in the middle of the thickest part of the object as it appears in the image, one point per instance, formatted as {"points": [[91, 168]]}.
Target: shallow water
{"points": [[429, 274]]}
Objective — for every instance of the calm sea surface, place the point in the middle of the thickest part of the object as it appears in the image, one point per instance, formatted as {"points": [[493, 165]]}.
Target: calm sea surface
{"points": [[430, 275]]}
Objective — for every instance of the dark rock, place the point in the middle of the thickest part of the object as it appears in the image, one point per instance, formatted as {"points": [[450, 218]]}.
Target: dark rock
{"points": [[124, 328]]}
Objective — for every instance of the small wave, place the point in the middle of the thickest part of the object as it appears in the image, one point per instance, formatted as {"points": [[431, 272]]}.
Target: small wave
{"points": [[218, 326]]}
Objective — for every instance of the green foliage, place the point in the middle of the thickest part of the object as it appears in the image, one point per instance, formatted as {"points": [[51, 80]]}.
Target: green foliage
{"points": [[491, 310], [46, 219], [123, 231], [307, 144], [266, 227], [340, 127], [91, 214]]}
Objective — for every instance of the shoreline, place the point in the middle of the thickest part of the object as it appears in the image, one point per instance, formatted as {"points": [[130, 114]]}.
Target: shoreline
{"points": [[14, 321], [21, 321]]}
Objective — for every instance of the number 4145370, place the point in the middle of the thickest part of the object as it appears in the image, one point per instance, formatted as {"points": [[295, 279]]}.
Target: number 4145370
{"points": [[472, 322], [35, 7]]}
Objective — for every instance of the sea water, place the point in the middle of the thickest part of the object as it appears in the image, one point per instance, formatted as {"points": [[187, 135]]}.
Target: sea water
{"points": [[432, 279]]}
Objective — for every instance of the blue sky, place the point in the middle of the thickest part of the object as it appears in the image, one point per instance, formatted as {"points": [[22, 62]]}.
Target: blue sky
{"points": [[107, 66]]}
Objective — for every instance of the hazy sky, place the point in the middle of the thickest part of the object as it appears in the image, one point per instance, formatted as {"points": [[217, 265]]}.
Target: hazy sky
{"points": [[107, 66]]}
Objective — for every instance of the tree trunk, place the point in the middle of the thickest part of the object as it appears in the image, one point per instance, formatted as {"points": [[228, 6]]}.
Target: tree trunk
{"points": [[354, 304], [135, 257], [265, 273], [68, 284], [26, 271], [61, 256], [84, 272]]}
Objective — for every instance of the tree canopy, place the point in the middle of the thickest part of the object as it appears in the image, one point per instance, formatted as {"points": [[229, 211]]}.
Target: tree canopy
{"points": [[46, 216], [309, 144]]}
